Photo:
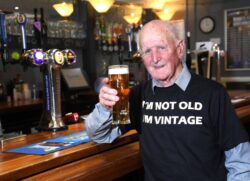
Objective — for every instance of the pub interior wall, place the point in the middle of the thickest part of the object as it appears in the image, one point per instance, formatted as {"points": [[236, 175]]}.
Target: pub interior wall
{"points": [[195, 10]]}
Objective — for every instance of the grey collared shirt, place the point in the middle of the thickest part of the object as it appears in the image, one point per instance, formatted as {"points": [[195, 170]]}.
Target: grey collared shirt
{"points": [[182, 80]]}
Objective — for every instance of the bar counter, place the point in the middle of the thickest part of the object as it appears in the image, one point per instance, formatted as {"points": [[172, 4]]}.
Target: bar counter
{"points": [[242, 107], [87, 161]]}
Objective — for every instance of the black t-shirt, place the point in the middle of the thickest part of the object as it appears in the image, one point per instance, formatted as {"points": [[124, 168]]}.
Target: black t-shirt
{"points": [[183, 134]]}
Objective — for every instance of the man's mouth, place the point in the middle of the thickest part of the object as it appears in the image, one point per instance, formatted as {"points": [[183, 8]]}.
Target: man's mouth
{"points": [[157, 66]]}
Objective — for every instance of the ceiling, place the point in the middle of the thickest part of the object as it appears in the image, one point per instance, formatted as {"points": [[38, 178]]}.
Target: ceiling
{"points": [[25, 5], [9, 4], [141, 1]]}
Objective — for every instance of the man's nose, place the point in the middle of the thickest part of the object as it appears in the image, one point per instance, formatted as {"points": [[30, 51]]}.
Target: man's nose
{"points": [[156, 56]]}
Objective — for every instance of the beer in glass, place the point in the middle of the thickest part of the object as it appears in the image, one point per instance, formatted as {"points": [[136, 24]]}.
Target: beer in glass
{"points": [[119, 80]]}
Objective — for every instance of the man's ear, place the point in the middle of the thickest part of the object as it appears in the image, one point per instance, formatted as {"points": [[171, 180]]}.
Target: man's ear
{"points": [[180, 49]]}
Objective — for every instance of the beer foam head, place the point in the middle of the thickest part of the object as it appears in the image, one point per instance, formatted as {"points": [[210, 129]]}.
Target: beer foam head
{"points": [[118, 70]]}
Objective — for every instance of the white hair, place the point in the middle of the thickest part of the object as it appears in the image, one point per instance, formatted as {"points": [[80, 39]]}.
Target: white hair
{"points": [[175, 28]]}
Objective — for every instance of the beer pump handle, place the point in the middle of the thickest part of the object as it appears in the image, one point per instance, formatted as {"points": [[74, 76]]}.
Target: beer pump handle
{"points": [[55, 57], [22, 21], [3, 43], [39, 57], [34, 57], [69, 56], [130, 36], [37, 29], [44, 30], [188, 53], [217, 55]]}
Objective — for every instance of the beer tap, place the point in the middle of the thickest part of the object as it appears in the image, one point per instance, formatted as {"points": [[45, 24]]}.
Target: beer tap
{"points": [[133, 45], [22, 21], [188, 53], [51, 119], [137, 55], [3, 41], [130, 38], [69, 56], [33, 57], [50, 62], [217, 53]]}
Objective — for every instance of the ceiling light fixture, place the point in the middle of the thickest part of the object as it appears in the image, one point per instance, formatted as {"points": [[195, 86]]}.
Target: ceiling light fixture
{"points": [[65, 9], [154, 4], [165, 14], [101, 6], [132, 13]]}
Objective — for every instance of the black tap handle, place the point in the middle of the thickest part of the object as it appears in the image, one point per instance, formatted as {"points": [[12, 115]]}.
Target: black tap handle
{"points": [[3, 41]]}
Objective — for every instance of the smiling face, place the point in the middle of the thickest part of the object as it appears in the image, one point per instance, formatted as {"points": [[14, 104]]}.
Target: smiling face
{"points": [[161, 52]]}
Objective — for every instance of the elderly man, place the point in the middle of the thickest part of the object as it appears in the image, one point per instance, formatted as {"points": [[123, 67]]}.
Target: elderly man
{"points": [[187, 126]]}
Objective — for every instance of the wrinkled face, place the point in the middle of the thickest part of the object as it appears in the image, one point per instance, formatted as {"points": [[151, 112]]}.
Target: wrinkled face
{"points": [[160, 52]]}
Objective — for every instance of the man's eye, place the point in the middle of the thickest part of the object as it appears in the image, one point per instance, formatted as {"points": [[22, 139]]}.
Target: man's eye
{"points": [[162, 48], [148, 51]]}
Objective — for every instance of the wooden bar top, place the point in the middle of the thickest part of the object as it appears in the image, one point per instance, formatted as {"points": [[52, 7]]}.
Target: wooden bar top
{"points": [[14, 166], [240, 98], [108, 165], [241, 103], [243, 114]]}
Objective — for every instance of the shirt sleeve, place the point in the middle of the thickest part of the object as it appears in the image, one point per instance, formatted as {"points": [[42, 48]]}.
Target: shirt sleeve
{"points": [[238, 162], [99, 125]]}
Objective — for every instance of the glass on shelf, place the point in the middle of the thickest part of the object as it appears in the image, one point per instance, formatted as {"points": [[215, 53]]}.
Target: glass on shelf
{"points": [[29, 27], [12, 27], [81, 33], [56, 28], [51, 32]]}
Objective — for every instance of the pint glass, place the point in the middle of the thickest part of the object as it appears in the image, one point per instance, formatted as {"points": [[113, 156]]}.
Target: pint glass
{"points": [[119, 80]]}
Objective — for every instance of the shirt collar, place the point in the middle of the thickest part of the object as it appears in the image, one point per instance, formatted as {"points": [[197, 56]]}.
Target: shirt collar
{"points": [[182, 81]]}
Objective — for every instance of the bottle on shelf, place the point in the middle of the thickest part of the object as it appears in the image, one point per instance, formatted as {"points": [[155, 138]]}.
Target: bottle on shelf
{"points": [[104, 43], [114, 37], [109, 37], [97, 29], [1, 92], [34, 92], [98, 32]]}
